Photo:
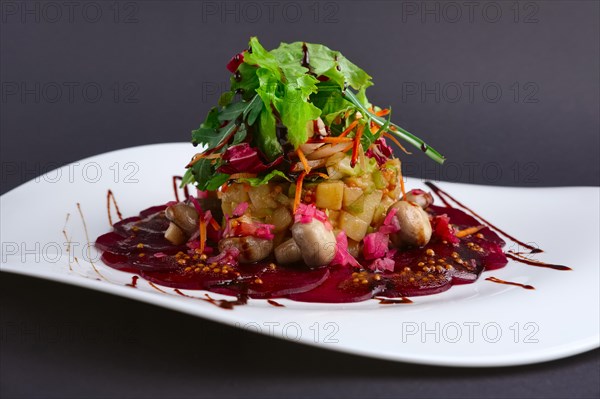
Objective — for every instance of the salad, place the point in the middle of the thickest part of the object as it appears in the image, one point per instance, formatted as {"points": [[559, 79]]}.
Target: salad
{"points": [[299, 195]]}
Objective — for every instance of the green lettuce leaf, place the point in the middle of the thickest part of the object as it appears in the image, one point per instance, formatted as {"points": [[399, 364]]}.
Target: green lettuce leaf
{"points": [[257, 181]]}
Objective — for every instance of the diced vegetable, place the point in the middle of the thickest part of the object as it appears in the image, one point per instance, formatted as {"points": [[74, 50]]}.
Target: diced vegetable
{"points": [[370, 203], [330, 195], [354, 227], [351, 194], [261, 197]]}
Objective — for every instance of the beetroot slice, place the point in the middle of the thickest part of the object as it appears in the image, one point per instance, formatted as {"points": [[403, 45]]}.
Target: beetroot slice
{"points": [[342, 286], [281, 281]]}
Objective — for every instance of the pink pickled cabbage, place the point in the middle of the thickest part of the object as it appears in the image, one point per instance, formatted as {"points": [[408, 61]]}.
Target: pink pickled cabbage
{"points": [[390, 224], [342, 256], [242, 158], [382, 265], [227, 257], [240, 209], [375, 245], [306, 213]]}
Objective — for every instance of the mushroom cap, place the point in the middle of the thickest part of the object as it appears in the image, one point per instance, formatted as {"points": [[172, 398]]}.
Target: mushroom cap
{"points": [[317, 243], [415, 228]]}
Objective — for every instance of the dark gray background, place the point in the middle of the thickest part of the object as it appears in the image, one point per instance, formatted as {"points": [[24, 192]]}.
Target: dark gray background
{"points": [[160, 65]]}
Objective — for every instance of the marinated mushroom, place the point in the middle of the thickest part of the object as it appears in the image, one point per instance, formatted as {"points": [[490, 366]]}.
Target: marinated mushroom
{"points": [[175, 235], [288, 252], [316, 242], [184, 216], [415, 228], [420, 197], [252, 249]]}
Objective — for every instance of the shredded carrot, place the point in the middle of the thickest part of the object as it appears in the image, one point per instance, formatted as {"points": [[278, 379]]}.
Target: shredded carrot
{"points": [[298, 190], [349, 128], [395, 140], [202, 234], [348, 148], [332, 140], [224, 187], [356, 144], [303, 160], [468, 231], [383, 112], [215, 224], [323, 175]]}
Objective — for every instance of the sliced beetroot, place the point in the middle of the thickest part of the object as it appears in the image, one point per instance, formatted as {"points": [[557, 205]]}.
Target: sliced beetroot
{"points": [[281, 281], [343, 285], [152, 210], [138, 245], [413, 281]]}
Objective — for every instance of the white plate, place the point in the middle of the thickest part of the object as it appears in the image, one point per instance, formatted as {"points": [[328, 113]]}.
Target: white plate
{"points": [[480, 324]]}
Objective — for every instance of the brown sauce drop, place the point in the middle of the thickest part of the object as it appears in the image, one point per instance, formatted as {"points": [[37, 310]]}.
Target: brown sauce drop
{"points": [[497, 280], [133, 283], [391, 301], [305, 57], [276, 304]]}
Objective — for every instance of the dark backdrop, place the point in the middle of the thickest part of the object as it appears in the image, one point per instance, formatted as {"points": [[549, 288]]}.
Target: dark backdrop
{"points": [[508, 91]]}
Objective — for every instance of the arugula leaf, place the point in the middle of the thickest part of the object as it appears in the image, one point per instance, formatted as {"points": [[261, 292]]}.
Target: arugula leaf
{"points": [[232, 111], [258, 181], [253, 110], [225, 98], [266, 139], [208, 129], [205, 175], [216, 181]]}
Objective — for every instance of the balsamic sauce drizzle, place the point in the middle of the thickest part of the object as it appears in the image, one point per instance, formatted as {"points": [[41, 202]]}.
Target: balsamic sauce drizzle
{"points": [[497, 280], [186, 192], [242, 299], [392, 301], [109, 196], [276, 304], [517, 256], [441, 194]]}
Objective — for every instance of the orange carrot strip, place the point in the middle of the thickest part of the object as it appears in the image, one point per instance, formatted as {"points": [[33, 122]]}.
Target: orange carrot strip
{"points": [[323, 175], [383, 112], [468, 231], [215, 224], [349, 128], [395, 140], [356, 145], [202, 235], [298, 190], [303, 160], [332, 140]]}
